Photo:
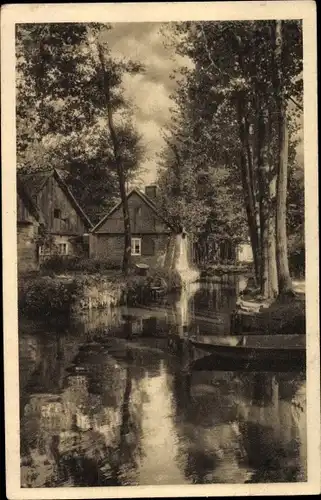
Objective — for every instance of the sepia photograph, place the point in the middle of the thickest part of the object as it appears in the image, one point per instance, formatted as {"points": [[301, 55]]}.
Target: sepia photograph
{"points": [[159, 261]]}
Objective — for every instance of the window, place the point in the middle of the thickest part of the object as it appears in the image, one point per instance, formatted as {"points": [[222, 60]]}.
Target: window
{"points": [[63, 248], [57, 213], [136, 246], [41, 250]]}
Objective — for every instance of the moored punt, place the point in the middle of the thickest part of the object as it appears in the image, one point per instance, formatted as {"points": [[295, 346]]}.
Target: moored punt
{"points": [[255, 340], [263, 352]]}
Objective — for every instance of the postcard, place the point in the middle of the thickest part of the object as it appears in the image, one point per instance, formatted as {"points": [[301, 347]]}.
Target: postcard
{"points": [[160, 249]]}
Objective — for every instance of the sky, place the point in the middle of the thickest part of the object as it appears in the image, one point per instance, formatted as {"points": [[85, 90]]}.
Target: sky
{"points": [[149, 92]]}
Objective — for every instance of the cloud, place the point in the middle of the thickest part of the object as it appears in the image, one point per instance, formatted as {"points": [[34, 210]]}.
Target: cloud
{"points": [[150, 91]]}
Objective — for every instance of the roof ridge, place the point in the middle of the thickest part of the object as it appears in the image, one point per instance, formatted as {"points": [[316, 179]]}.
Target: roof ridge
{"points": [[144, 197], [46, 174], [77, 206], [29, 202]]}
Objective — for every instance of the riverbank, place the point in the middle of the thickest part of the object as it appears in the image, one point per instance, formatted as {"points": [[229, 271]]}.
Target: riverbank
{"points": [[48, 294], [213, 270], [281, 316]]}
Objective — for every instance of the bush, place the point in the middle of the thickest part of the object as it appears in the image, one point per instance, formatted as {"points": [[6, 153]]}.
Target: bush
{"points": [[59, 264], [170, 277], [45, 296], [139, 288]]}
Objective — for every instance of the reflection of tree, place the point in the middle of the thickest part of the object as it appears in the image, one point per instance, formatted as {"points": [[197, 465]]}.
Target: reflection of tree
{"points": [[69, 437], [235, 423], [129, 449], [216, 296], [198, 466], [55, 350], [125, 410], [271, 442]]}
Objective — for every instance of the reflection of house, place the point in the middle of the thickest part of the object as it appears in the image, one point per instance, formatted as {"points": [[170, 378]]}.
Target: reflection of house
{"points": [[150, 232], [29, 220], [65, 221]]}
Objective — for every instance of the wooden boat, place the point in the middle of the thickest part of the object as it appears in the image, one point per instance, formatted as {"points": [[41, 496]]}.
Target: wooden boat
{"points": [[271, 352]]}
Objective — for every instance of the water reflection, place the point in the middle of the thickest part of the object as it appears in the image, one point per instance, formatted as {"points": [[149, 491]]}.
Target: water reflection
{"points": [[185, 305], [108, 401]]}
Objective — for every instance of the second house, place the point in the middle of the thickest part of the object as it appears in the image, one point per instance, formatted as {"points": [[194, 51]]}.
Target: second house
{"points": [[66, 225], [150, 231]]}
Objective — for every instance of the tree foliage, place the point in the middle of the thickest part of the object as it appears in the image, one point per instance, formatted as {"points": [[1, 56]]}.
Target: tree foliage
{"points": [[61, 113], [226, 128]]}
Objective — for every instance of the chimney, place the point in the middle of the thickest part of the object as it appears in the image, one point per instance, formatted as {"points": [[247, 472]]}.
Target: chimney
{"points": [[151, 192]]}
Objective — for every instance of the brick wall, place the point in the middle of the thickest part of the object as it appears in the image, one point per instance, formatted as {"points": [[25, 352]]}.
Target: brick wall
{"points": [[111, 248]]}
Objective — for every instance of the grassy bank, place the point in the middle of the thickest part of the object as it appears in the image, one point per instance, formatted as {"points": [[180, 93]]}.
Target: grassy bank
{"points": [[219, 269], [280, 317], [140, 289], [63, 291]]}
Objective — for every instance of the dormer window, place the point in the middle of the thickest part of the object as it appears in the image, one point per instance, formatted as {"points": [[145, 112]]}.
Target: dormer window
{"points": [[57, 213]]}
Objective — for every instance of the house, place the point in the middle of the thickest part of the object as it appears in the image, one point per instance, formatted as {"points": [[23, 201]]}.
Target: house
{"points": [[29, 222], [244, 253], [67, 226], [149, 230]]}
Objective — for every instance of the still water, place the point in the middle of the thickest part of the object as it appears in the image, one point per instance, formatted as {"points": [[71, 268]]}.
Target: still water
{"points": [[106, 400]]}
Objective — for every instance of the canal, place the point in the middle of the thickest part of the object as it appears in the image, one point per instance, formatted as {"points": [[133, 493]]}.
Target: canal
{"points": [[105, 400]]}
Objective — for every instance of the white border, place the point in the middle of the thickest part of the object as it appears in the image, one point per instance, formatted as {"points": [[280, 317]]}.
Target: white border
{"points": [[157, 12]]}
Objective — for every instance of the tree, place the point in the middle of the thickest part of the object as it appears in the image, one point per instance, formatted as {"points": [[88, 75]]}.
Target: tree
{"points": [[107, 77], [230, 116], [62, 86], [284, 280]]}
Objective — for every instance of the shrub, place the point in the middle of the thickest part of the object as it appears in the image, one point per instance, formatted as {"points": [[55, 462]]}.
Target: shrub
{"points": [[139, 288], [59, 264], [45, 296], [170, 276]]}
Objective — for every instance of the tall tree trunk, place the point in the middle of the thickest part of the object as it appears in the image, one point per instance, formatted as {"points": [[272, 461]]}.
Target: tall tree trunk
{"points": [[263, 169], [247, 189], [119, 165], [273, 274], [284, 279], [247, 171], [251, 166]]}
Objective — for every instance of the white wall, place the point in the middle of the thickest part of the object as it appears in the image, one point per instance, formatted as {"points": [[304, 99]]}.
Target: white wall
{"points": [[244, 253]]}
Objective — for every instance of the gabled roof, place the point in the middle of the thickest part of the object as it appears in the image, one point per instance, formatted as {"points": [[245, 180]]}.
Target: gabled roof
{"points": [[35, 182], [59, 175], [144, 198], [29, 202]]}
